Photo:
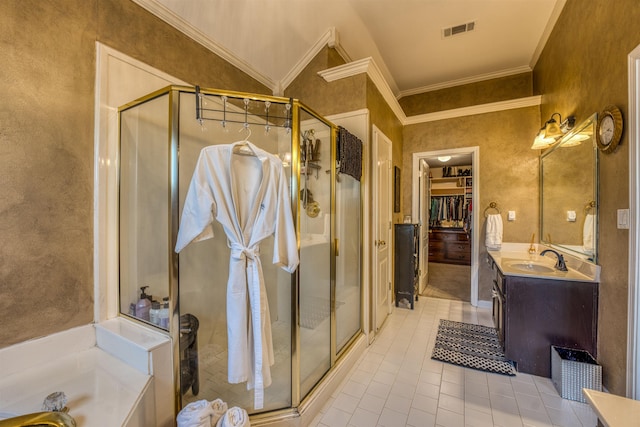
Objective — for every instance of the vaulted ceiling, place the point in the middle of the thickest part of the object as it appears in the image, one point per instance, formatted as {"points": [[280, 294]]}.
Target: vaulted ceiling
{"points": [[270, 39]]}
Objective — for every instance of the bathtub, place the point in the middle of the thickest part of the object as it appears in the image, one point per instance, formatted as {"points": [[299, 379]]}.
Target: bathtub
{"points": [[106, 372]]}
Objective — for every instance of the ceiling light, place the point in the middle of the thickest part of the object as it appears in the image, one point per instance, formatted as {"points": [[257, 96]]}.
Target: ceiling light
{"points": [[552, 130], [444, 159]]}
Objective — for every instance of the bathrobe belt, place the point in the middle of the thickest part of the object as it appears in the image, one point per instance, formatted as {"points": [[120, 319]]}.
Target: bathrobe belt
{"points": [[253, 267]]}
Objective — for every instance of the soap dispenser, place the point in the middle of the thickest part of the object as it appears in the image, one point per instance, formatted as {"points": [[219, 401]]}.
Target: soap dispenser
{"points": [[143, 306]]}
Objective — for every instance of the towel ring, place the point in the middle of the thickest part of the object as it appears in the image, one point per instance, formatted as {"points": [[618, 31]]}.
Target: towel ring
{"points": [[492, 205], [589, 206]]}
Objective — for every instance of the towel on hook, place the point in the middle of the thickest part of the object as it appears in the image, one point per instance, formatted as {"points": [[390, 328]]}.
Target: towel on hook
{"points": [[234, 417], [349, 154], [588, 232], [494, 232]]}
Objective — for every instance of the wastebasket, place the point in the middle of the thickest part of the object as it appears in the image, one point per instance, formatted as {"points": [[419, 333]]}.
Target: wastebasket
{"points": [[572, 370]]}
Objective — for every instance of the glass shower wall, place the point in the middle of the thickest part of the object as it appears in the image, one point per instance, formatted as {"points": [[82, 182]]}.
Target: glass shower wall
{"points": [[315, 250], [348, 296], [204, 266], [314, 312], [144, 208]]}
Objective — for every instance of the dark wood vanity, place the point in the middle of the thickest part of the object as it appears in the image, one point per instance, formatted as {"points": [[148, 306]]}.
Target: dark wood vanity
{"points": [[532, 314]]}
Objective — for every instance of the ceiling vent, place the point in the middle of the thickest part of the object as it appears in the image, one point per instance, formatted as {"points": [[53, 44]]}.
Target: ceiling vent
{"points": [[458, 29]]}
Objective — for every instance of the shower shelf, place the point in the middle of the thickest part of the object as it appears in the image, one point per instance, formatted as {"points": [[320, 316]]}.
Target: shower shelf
{"points": [[308, 170]]}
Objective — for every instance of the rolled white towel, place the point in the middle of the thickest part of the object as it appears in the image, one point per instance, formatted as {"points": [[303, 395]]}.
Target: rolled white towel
{"points": [[219, 408], [195, 414], [234, 417]]}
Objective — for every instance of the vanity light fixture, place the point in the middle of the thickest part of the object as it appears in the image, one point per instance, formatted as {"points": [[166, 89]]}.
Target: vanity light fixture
{"points": [[444, 159], [576, 139], [552, 130]]}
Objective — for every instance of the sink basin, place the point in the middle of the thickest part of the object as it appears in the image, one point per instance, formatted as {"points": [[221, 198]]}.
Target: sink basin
{"points": [[531, 267]]}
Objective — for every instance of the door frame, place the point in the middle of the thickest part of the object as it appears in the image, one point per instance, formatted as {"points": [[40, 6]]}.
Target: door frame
{"points": [[375, 134], [475, 222], [633, 315], [423, 256]]}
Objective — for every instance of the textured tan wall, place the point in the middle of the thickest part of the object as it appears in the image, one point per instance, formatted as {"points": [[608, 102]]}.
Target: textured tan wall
{"points": [[582, 69], [384, 119], [509, 173], [323, 97], [494, 90], [47, 51], [344, 95]]}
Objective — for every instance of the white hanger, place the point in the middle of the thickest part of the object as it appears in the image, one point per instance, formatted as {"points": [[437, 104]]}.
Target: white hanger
{"points": [[241, 146], [248, 133]]}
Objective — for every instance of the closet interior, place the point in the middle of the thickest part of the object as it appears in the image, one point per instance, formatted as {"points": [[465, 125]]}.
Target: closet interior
{"points": [[314, 312], [450, 190]]}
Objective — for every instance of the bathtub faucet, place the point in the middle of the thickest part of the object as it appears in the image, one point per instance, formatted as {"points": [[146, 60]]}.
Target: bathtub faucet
{"points": [[52, 419], [560, 265]]}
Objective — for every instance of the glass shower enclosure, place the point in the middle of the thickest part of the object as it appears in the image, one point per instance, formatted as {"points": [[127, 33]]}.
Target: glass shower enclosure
{"points": [[315, 313]]}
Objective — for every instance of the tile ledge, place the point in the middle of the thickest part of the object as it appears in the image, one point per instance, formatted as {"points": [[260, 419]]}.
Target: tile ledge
{"points": [[613, 410]]}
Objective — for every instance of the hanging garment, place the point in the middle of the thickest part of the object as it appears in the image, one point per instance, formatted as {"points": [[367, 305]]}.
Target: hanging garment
{"points": [[249, 196], [349, 153]]}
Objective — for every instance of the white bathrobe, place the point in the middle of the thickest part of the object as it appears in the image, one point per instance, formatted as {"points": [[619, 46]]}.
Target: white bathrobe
{"points": [[250, 198]]}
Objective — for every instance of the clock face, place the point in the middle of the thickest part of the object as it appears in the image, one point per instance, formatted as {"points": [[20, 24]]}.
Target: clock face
{"points": [[606, 130], [609, 129]]}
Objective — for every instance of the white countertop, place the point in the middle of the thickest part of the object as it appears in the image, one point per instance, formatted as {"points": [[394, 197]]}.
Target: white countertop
{"points": [[578, 269], [612, 410]]}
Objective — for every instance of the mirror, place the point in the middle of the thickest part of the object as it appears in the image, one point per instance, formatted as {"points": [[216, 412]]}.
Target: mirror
{"points": [[569, 192]]}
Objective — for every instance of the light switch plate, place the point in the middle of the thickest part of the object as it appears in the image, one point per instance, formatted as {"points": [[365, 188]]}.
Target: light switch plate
{"points": [[571, 216], [511, 216], [623, 219]]}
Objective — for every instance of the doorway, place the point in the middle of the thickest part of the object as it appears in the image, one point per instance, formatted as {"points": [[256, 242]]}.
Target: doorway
{"points": [[445, 192]]}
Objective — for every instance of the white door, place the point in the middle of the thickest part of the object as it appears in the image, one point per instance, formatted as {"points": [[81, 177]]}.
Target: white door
{"points": [[382, 226], [425, 211]]}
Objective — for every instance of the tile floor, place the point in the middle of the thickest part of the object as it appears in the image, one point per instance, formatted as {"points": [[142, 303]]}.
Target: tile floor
{"points": [[397, 384]]}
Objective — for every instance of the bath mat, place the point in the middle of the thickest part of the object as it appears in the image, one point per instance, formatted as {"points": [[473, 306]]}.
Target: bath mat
{"points": [[313, 310], [471, 346]]}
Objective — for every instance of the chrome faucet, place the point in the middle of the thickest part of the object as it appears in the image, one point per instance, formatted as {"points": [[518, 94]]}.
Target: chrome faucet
{"points": [[560, 265]]}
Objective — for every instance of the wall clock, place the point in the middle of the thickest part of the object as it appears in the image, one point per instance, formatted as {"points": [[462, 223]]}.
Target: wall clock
{"points": [[609, 129]]}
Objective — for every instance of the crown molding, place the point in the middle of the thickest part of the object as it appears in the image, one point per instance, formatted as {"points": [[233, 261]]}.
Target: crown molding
{"points": [[189, 30], [352, 68], [530, 101], [466, 80], [368, 66]]}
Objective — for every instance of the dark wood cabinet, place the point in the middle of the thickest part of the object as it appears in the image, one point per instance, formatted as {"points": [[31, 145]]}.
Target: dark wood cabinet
{"points": [[406, 262], [532, 314], [449, 246]]}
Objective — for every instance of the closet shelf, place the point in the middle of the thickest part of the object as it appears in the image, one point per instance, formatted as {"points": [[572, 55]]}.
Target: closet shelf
{"points": [[448, 191], [449, 178]]}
